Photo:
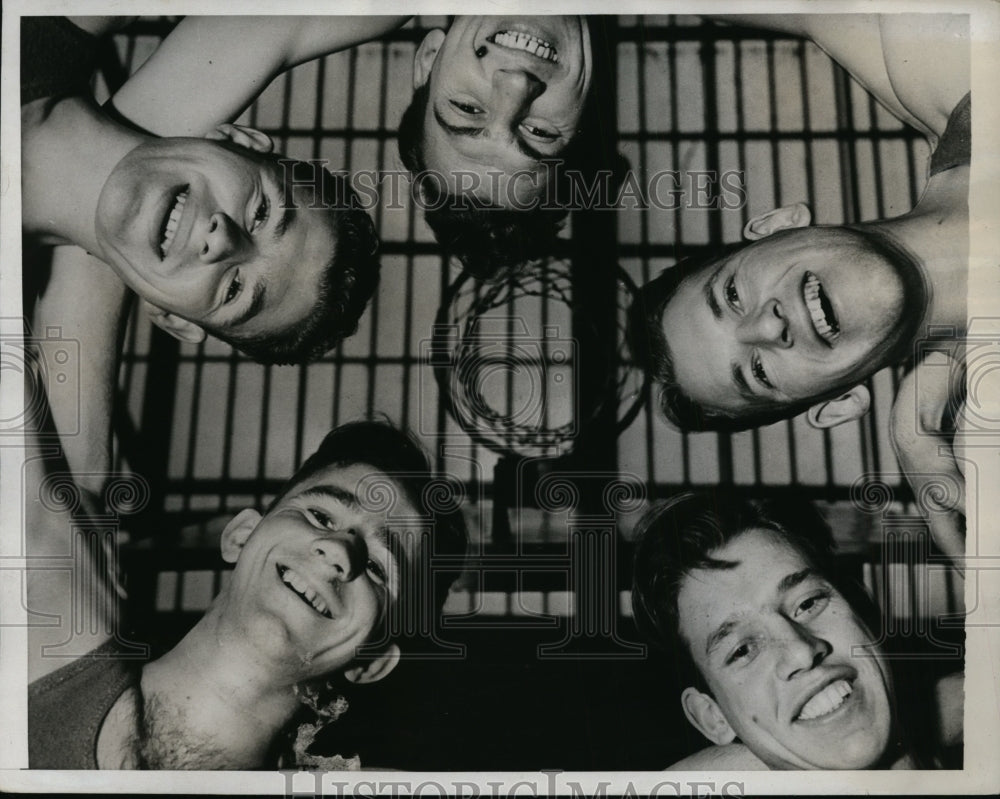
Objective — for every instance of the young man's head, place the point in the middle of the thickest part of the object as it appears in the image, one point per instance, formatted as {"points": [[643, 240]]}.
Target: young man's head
{"points": [[777, 658], [496, 108], [217, 238], [320, 575], [795, 321]]}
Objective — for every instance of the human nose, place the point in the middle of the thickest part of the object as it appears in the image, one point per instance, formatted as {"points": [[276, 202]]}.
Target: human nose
{"points": [[221, 239], [768, 325], [800, 650], [344, 552], [515, 90]]}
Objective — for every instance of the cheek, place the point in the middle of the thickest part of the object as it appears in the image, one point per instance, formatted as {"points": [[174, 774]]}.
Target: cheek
{"points": [[737, 697]]}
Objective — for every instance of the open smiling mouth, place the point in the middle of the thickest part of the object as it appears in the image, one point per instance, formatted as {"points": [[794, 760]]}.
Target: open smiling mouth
{"points": [[298, 586], [824, 318], [826, 701], [168, 227], [514, 40]]}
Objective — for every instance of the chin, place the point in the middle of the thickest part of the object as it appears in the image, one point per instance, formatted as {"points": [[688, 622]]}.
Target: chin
{"points": [[862, 754]]}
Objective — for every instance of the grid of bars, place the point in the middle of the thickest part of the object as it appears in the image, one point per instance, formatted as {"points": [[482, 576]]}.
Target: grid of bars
{"points": [[222, 432]]}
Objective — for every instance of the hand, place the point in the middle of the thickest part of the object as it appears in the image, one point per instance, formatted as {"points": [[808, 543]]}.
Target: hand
{"points": [[925, 449]]}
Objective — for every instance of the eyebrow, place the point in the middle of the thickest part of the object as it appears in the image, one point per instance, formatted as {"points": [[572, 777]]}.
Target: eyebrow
{"points": [[455, 130], [790, 581], [327, 491], [713, 303], [785, 584], [284, 222]]}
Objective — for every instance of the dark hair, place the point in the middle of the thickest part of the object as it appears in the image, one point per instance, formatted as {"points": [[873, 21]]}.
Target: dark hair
{"points": [[488, 239], [651, 350], [680, 535], [344, 289], [395, 453]]}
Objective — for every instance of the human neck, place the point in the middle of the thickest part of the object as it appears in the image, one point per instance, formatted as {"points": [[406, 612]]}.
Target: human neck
{"points": [[68, 150], [206, 689], [936, 232]]}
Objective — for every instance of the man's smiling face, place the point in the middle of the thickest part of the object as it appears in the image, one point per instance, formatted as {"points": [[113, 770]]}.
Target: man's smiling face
{"points": [[318, 574], [505, 94], [197, 228], [791, 318], [791, 668]]}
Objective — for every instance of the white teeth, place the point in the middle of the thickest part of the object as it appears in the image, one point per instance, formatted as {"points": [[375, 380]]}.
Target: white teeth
{"points": [[811, 291], [302, 588], [826, 701], [171, 227], [527, 43]]}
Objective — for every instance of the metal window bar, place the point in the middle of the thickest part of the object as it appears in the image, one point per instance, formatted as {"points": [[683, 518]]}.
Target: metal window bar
{"points": [[220, 431]]}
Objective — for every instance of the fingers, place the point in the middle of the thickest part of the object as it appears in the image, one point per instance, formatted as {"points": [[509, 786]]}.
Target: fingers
{"points": [[242, 135]]}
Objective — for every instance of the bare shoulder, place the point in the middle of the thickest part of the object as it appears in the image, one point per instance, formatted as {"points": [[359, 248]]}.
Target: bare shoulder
{"points": [[928, 61], [730, 757]]}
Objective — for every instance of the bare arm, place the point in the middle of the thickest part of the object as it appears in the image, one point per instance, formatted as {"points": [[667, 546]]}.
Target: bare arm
{"points": [[209, 69], [950, 695], [87, 302], [916, 65], [73, 596]]}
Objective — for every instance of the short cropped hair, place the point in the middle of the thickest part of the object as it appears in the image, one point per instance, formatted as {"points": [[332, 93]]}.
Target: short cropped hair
{"points": [[396, 453], [488, 239], [679, 536], [651, 350], [346, 284]]}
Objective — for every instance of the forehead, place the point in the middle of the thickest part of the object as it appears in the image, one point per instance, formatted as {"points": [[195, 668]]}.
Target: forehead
{"points": [[361, 488], [365, 493], [762, 560], [701, 346], [491, 167], [288, 268]]}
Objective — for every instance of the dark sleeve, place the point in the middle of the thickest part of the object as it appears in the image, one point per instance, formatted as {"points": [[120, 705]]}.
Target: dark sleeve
{"points": [[955, 146], [57, 58]]}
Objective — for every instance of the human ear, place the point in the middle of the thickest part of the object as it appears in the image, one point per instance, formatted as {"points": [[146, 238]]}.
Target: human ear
{"points": [[788, 216], [251, 138], [423, 60], [851, 405], [373, 670], [706, 716], [236, 533], [177, 326]]}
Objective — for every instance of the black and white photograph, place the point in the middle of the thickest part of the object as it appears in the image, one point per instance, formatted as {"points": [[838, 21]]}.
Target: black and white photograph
{"points": [[498, 404]]}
